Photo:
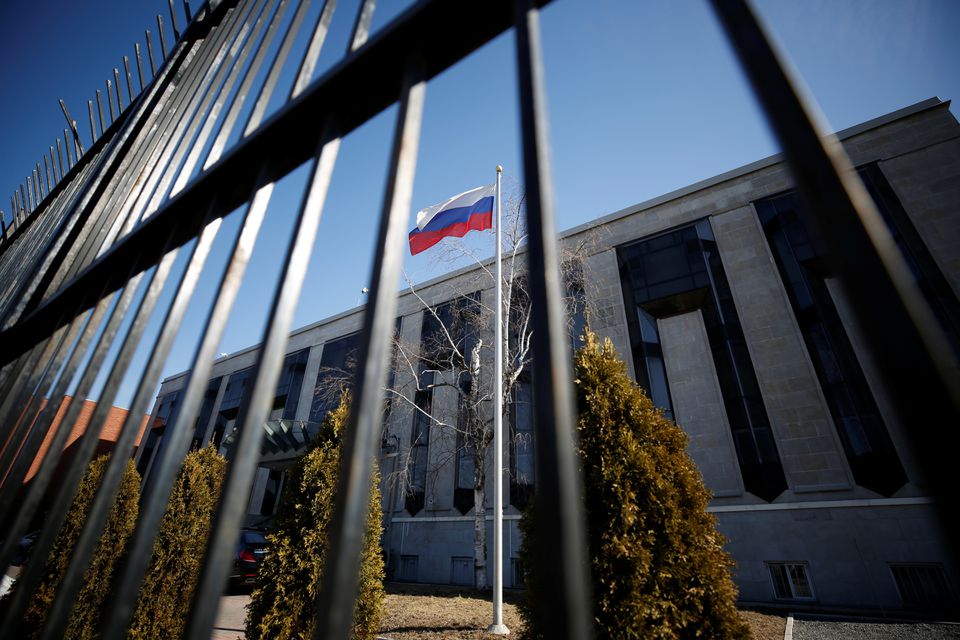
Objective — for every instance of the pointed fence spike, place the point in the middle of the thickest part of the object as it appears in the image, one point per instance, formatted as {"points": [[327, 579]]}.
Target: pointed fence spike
{"points": [[163, 41], [72, 125], [153, 65], [61, 167], [126, 68], [173, 21], [66, 143], [116, 86], [110, 101], [100, 110], [136, 52]]}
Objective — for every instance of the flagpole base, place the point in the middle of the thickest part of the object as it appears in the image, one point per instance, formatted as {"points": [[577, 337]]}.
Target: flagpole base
{"points": [[498, 629]]}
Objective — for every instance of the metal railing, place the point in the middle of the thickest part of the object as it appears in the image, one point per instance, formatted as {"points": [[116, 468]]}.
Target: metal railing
{"points": [[88, 259]]}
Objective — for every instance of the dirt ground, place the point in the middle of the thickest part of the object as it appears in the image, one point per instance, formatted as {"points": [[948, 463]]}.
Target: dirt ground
{"points": [[417, 612]]}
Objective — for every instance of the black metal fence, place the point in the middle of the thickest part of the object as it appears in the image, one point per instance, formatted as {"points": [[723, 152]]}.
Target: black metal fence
{"points": [[103, 227]]}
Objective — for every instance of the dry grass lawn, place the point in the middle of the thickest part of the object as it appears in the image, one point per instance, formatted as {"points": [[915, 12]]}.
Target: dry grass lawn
{"points": [[420, 612]]}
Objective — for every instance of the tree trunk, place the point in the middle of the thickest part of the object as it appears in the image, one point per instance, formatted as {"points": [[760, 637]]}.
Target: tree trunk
{"points": [[479, 532]]}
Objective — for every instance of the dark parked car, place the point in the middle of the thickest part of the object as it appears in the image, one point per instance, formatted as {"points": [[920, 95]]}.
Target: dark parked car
{"points": [[251, 548]]}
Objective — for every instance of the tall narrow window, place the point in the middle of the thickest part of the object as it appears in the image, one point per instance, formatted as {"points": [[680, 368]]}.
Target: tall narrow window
{"points": [[271, 492], [337, 362], [206, 410], [799, 258], [287, 397], [419, 445], [678, 272], [157, 428], [233, 396], [522, 460], [576, 311], [929, 277], [463, 497]]}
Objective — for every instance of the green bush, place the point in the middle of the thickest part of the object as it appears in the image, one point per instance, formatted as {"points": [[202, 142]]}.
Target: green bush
{"points": [[85, 615], [657, 564], [178, 552], [288, 581]]}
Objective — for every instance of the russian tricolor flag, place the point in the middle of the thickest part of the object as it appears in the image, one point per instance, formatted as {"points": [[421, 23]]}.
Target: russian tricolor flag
{"points": [[454, 217]]}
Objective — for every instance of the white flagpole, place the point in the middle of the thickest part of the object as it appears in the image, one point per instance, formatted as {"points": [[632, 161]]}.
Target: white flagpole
{"points": [[498, 627]]}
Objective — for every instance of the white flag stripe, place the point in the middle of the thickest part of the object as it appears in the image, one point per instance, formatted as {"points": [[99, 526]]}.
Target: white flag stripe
{"points": [[465, 199]]}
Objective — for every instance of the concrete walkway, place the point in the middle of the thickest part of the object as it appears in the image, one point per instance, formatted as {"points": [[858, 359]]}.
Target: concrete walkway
{"points": [[229, 624]]}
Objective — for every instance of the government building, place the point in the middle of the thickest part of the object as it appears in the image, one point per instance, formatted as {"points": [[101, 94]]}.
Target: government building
{"points": [[719, 299]]}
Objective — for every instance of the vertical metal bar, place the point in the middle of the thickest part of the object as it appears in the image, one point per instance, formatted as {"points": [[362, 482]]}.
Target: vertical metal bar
{"points": [[72, 125], [44, 178], [136, 53], [187, 12], [561, 553], [153, 65], [66, 140], [61, 167], [361, 27], [54, 170], [113, 115], [93, 126], [3, 225], [335, 602], [100, 111], [913, 354], [163, 40], [23, 196], [126, 68], [313, 49], [116, 85], [173, 21], [48, 177]]}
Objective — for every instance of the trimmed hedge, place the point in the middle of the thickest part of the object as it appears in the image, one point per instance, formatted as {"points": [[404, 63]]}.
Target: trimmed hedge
{"points": [[657, 564], [178, 552], [89, 605], [289, 578]]}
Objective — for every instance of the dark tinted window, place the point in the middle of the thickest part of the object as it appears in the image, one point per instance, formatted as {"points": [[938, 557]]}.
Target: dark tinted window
{"points": [[679, 272]]}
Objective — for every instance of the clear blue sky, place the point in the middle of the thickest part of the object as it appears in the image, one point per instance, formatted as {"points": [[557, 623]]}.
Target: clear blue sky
{"points": [[643, 97]]}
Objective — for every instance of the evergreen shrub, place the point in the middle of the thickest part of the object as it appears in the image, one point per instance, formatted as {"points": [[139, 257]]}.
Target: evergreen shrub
{"points": [[181, 544], [657, 564], [86, 612], [282, 604]]}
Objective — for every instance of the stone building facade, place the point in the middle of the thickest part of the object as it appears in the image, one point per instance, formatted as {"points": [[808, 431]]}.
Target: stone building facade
{"points": [[717, 297]]}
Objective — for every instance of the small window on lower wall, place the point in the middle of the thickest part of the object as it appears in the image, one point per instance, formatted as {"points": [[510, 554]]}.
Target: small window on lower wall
{"points": [[519, 575], [922, 585], [790, 581]]}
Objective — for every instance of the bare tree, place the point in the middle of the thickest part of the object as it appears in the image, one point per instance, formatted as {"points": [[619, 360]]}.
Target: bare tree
{"points": [[455, 352]]}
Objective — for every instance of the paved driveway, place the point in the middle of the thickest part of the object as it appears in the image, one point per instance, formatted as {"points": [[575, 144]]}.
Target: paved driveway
{"points": [[848, 629]]}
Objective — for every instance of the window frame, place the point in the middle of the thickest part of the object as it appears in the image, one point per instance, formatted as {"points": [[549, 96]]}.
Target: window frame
{"points": [[786, 565]]}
